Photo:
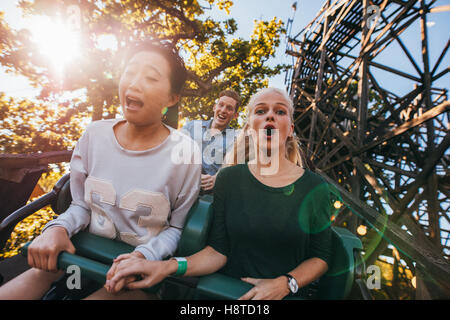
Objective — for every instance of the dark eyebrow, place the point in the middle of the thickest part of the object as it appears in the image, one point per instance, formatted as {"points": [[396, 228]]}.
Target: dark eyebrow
{"points": [[226, 104]]}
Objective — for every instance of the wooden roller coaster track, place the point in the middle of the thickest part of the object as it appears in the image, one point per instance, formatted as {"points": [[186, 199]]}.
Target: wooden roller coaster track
{"points": [[387, 150]]}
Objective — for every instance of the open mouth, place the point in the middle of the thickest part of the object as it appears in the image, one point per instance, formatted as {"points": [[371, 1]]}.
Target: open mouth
{"points": [[133, 103], [269, 130], [221, 117]]}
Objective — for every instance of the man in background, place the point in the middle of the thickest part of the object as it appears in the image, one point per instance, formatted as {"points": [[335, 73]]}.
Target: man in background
{"points": [[215, 136]]}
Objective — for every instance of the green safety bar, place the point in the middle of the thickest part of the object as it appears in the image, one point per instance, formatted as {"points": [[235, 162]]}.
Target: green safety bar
{"points": [[89, 268], [99, 254], [335, 284], [95, 254]]}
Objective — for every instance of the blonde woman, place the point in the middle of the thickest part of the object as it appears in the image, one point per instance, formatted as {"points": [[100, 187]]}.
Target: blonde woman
{"points": [[271, 223]]}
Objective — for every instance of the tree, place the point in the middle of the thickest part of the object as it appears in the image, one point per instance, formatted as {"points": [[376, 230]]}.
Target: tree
{"points": [[215, 59]]}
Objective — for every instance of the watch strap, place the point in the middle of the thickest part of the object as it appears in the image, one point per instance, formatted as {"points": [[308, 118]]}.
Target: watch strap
{"points": [[290, 277]]}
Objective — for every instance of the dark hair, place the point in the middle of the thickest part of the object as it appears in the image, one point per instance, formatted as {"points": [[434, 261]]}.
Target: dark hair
{"points": [[233, 95], [178, 73]]}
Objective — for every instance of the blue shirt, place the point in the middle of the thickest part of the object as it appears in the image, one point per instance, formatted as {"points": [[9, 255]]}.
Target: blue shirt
{"points": [[214, 147]]}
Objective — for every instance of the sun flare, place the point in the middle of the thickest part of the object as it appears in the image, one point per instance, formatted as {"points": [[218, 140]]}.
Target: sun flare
{"points": [[55, 40]]}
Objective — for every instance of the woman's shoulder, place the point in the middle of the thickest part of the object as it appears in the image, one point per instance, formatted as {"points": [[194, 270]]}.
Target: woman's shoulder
{"points": [[228, 177], [179, 135], [97, 129], [313, 178], [101, 125], [231, 172]]}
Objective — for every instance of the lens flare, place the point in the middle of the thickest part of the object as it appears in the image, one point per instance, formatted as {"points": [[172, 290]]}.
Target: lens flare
{"points": [[55, 40], [362, 230]]}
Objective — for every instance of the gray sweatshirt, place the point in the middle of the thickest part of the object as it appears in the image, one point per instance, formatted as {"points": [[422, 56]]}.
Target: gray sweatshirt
{"points": [[139, 197]]}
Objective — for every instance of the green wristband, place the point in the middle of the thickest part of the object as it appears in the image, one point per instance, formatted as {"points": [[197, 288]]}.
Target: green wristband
{"points": [[182, 266]]}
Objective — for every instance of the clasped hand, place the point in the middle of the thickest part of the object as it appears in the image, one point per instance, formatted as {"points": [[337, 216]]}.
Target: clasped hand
{"points": [[133, 271]]}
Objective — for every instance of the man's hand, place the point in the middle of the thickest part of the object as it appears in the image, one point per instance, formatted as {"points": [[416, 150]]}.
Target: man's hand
{"points": [[44, 250], [266, 289], [208, 182]]}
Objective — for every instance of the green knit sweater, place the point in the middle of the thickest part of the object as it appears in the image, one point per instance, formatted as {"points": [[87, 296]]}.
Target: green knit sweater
{"points": [[265, 231]]}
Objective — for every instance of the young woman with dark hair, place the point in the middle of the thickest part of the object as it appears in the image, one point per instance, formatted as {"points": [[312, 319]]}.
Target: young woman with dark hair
{"points": [[124, 182]]}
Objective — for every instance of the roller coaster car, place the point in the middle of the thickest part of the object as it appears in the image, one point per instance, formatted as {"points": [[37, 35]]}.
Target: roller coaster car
{"points": [[94, 256]]}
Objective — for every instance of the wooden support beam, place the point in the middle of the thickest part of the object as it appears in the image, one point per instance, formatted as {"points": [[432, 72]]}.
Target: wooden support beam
{"points": [[384, 43], [391, 168], [442, 73], [405, 50], [439, 60], [443, 8], [363, 82], [342, 14], [430, 114], [400, 137], [330, 154], [372, 180], [429, 166], [318, 91], [383, 67]]}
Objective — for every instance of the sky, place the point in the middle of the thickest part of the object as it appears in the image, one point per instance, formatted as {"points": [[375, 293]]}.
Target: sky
{"points": [[246, 11]]}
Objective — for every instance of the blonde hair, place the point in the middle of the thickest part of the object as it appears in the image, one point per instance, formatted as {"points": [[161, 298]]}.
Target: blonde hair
{"points": [[243, 141]]}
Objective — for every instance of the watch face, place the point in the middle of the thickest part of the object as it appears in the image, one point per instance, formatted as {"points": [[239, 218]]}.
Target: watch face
{"points": [[293, 286]]}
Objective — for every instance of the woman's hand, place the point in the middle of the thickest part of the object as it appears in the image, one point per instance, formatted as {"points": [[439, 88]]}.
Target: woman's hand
{"points": [[150, 273], [266, 289], [44, 250], [113, 269]]}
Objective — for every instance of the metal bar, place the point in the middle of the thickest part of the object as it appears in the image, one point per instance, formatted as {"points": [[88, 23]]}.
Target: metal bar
{"points": [[34, 159]]}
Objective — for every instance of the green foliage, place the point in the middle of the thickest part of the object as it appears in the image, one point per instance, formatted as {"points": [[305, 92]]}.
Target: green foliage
{"points": [[27, 126], [31, 227], [25, 231]]}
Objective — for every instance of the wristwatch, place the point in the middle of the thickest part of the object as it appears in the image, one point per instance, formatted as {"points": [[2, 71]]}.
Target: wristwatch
{"points": [[292, 283]]}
